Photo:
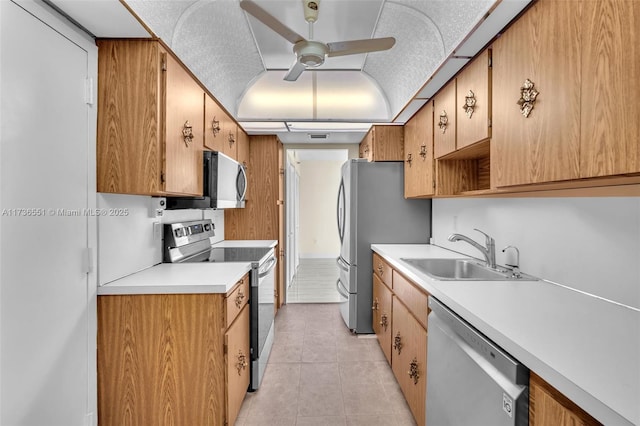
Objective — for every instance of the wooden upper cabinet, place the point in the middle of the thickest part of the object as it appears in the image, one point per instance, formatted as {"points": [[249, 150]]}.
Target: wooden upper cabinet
{"points": [[473, 88], [418, 148], [150, 110], [610, 124], [444, 120], [383, 143], [243, 148], [538, 57], [220, 129]]}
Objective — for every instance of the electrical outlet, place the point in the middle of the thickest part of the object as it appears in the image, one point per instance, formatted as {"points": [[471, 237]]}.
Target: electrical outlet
{"points": [[157, 231]]}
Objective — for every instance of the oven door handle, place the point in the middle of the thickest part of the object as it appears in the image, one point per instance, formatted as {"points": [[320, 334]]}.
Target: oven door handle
{"points": [[271, 264], [340, 288]]}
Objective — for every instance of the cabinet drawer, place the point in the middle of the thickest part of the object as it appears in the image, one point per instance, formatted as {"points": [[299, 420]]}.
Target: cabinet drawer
{"points": [[237, 299], [382, 269], [412, 297]]}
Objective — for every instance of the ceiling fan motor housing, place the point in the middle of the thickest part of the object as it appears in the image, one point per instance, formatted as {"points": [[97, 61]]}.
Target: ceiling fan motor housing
{"points": [[310, 53], [311, 10]]}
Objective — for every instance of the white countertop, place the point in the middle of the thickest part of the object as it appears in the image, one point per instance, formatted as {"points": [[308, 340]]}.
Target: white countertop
{"points": [[246, 243], [585, 346], [180, 278]]}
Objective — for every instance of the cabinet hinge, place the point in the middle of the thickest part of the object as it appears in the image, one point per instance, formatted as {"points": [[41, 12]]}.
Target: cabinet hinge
{"points": [[490, 61], [87, 260], [434, 184], [225, 348], [282, 172], [89, 93], [162, 178], [489, 123]]}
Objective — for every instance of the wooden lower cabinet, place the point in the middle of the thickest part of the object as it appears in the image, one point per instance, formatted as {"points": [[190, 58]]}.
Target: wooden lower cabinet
{"points": [[382, 315], [400, 305], [548, 407], [409, 358], [171, 359]]}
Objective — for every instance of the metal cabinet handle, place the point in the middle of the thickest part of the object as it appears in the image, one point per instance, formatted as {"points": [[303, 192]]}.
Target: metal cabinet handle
{"points": [[232, 139], [409, 159], [187, 133], [397, 343], [215, 127], [375, 305], [239, 298], [528, 95], [444, 121], [469, 104], [423, 152], [241, 364], [413, 371], [384, 321], [380, 268]]}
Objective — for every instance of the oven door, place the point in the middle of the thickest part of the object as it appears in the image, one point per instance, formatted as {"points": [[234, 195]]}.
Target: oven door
{"points": [[262, 316]]}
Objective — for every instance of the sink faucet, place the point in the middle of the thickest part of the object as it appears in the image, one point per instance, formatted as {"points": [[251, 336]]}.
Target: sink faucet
{"points": [[489, 252]]}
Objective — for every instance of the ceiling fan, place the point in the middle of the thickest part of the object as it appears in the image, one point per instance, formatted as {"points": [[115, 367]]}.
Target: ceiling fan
{"points": [[311, 53]]}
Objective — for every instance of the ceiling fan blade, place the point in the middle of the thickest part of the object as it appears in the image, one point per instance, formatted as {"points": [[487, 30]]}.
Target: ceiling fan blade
{"points": [[295, 71], [263, 16], [352, 47]]}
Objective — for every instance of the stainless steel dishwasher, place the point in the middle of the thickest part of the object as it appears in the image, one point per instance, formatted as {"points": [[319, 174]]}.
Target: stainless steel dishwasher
{"points": [[470, 380]]}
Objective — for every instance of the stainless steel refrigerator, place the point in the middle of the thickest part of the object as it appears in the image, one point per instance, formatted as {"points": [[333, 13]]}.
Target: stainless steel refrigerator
{"points": [[372, 210]]}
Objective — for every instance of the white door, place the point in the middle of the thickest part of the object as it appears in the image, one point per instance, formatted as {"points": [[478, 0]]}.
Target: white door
{"points": [[47, 155], [292, 226]]}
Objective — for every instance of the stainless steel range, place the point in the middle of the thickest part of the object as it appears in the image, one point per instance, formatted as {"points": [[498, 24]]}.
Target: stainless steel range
{"points": [[187, 242]]}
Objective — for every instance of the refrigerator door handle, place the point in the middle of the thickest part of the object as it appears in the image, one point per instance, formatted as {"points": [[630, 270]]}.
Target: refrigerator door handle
{"points": [[341, 210], [341, 289], [342, 264]]}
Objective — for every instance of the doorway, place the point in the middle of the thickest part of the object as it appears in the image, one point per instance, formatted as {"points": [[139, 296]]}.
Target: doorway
{"points": [[312, 179]]}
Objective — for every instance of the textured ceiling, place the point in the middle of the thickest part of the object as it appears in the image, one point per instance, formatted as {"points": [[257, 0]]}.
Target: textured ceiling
{"points": [[215, 39]]}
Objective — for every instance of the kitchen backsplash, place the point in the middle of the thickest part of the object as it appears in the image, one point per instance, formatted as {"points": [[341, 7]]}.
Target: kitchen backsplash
{"points": [[126, 242], [590, 244]]}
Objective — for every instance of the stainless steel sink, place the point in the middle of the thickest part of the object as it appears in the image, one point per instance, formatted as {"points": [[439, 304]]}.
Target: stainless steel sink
{"points": [[463, 270]]}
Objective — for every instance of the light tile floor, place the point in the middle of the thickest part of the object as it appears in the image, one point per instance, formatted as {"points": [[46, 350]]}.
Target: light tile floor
{"points": [[314, 282], [319, 373]]}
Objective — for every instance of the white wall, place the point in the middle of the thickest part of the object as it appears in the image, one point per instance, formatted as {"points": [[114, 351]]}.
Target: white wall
{"points": [[126, 244], [591, 244], [319, 182]]}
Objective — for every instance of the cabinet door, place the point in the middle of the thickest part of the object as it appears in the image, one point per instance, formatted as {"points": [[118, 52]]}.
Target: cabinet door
{"points": [[183, 115], [409, 359], [548, 407], [366, 146], [610, 128], [213, 125], [444, 120], [542, 48], [418, 148], [243, 148], [473, 88], [129, 152], [387, 143], [238, 360], [382, 315]]}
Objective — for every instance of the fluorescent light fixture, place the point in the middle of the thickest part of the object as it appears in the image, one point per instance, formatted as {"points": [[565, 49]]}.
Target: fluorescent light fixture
{"points": [[442, 75], [324, 126], [263, 126]]}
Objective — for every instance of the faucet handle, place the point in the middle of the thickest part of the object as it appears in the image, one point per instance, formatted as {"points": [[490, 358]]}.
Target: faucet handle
{"points": [[488, 238]]}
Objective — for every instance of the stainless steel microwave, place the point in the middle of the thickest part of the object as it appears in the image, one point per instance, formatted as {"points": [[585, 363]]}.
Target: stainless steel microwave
{"points": [[224, 185]]}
